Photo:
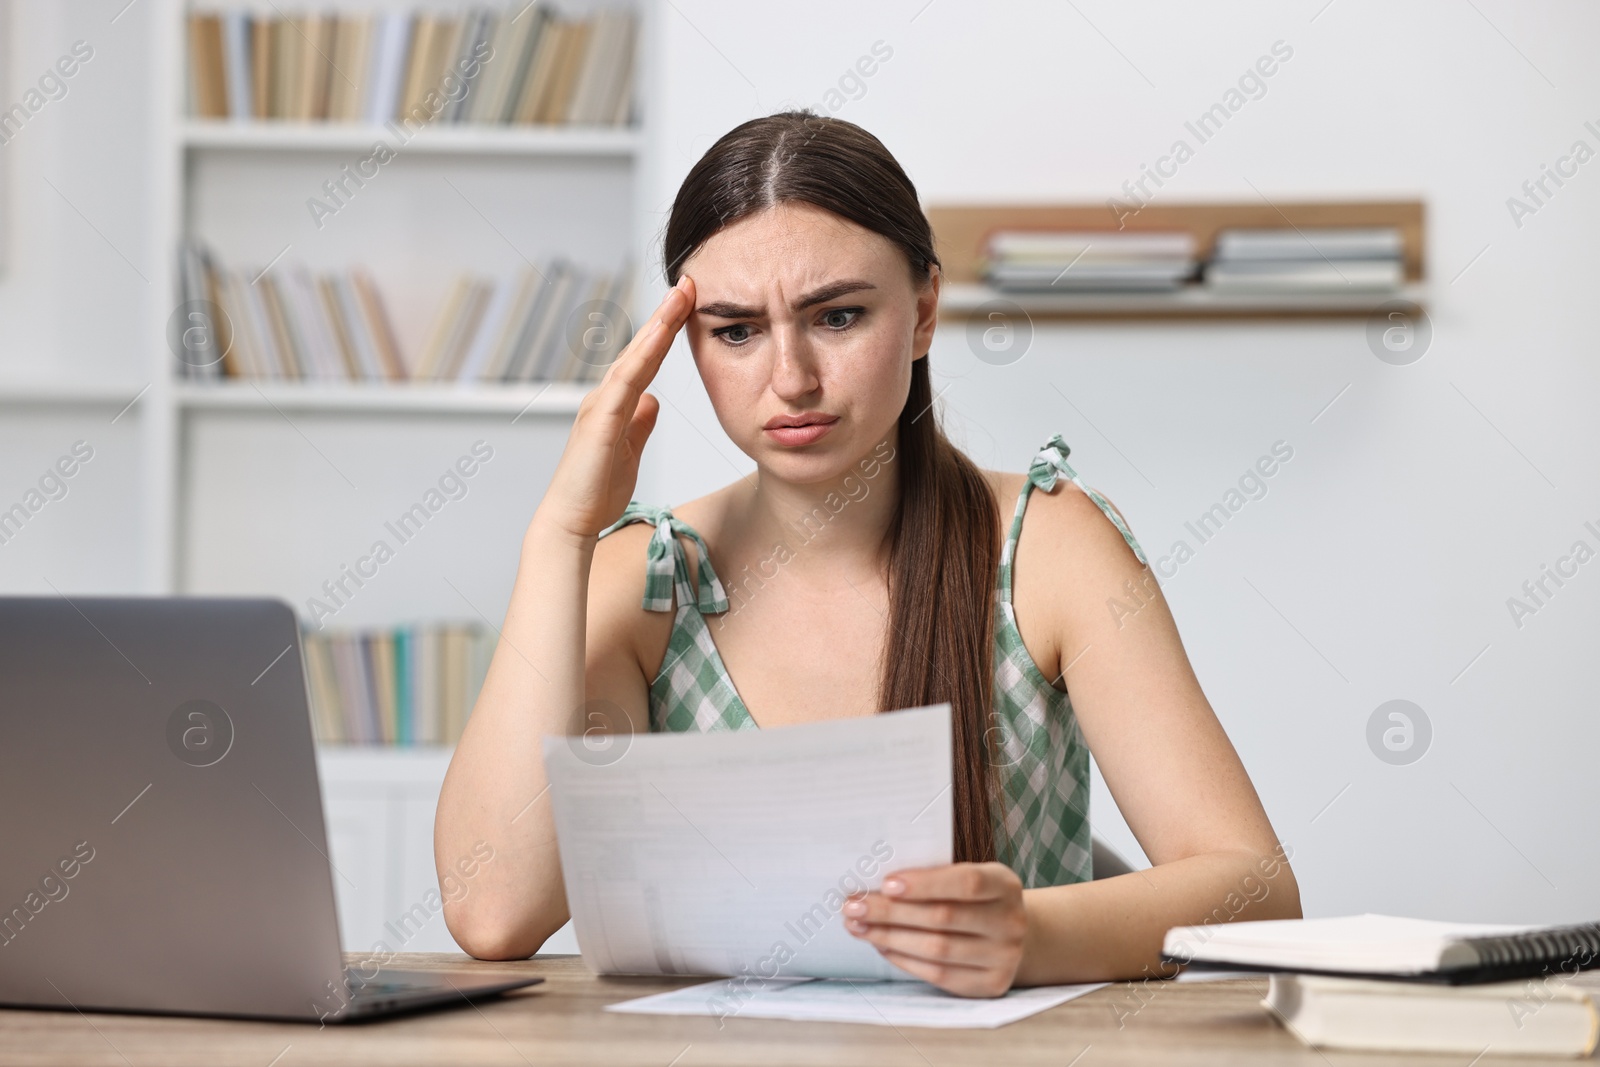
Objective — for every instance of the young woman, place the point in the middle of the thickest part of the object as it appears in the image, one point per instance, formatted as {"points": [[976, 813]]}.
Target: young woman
{"points": [[888, 571]]}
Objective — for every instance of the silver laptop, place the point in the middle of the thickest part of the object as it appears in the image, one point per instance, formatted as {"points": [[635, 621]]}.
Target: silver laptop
{"points": [[163, 846]]}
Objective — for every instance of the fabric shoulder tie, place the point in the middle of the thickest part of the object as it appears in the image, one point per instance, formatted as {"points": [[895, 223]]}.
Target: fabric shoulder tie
{"points": [[1050, 464], [666, 567]]}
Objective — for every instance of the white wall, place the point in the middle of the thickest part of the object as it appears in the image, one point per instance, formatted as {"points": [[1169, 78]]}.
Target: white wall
{"points": [[77, 256], [78, 246], [1379, 564]]}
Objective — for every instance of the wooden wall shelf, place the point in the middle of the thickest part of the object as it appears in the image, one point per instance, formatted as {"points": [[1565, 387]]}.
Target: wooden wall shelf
{"points": [[960, 231], [962, 301]]}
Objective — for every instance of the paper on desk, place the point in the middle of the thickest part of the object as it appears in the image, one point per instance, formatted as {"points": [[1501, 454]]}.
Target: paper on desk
{"points": [[845, 1001], [731, 853]]}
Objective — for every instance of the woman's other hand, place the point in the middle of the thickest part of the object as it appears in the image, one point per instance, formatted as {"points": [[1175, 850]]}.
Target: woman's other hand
{"points": [[961, 927]]}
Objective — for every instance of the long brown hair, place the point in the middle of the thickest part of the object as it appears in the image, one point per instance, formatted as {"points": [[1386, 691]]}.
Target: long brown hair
{"points": [[944, 538]]}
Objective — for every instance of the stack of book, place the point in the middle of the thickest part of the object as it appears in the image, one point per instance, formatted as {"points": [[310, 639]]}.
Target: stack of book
{"points": [[558, 323], [515, 64], [1064, 260], [410, 686], [1378, 983], [1342, 259]]}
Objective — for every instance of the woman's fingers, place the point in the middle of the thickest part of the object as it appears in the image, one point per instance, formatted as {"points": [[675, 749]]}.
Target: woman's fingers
{"points": [[951, 977], [641, 359], [611, 406], [967, 898], [644, 420], [937, 929], [953, 881], [600, 464], [958, 917], [935, 946], [960, 926]]}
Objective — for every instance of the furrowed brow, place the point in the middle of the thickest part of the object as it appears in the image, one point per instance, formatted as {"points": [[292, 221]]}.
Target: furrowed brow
{"points": [[723, 309], [832, 291]]}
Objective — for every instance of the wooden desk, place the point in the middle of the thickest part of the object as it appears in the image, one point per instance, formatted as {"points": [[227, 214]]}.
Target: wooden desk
{"points": [[561, 1022]]}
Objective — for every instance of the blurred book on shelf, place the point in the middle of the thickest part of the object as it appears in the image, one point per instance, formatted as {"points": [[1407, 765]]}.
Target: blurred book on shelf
{"points": [[1292, 260], [414, 685], [1078, 261], [515, 64], [556, 323]]}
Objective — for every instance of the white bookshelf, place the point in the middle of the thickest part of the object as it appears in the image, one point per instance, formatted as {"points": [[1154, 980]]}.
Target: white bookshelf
{"points": [[277, 136], [69, 393], [441, 398], [515, 194], [263, 487]]}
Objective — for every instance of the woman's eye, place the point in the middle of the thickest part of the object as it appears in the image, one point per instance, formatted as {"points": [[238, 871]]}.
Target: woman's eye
{"points": [[840, 318], [734, 335]]}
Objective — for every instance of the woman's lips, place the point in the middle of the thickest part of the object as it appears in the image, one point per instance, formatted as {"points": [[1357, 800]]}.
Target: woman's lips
{"points": [[794, 436]]}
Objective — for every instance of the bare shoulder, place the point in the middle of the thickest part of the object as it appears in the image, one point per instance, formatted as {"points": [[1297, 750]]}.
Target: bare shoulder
{"points": [[619, 562], [618, 572], [706, 515], [617, 584], [1063, 525], [1070, 562]]}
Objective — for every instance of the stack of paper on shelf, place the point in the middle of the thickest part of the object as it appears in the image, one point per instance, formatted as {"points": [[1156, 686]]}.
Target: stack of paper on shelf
{"points": [[1065, 260], [410, 686], [518, 63], [561, 322], [1338, 259], [1375, 982]]}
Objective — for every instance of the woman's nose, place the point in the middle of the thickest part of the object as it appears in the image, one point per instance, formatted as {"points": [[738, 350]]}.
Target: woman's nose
{"points": [[794, 372]]}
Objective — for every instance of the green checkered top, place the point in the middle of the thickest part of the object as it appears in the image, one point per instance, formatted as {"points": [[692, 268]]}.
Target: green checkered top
{"points": [[1037, 749]]}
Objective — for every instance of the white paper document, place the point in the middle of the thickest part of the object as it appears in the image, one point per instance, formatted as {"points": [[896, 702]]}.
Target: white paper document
{"points": [[844, 1001], [732, 853]]}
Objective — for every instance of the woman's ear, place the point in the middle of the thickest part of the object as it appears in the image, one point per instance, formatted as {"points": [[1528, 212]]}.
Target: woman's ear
{"points": [[927, 313]]}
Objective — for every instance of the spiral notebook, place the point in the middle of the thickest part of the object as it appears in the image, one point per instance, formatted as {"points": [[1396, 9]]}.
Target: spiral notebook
{"points": [[1383, 946]]}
